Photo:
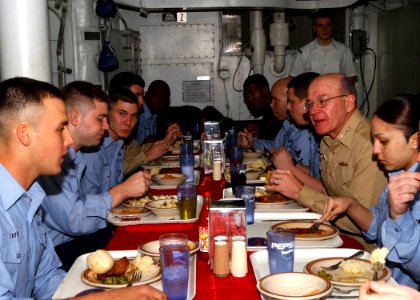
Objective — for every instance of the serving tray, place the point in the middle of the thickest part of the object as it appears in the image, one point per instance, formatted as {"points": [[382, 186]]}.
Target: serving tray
{"points": [[259, 261], [72, 283]]}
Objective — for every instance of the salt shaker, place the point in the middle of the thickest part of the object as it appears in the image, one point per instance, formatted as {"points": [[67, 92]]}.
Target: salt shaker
{"points": [[239, 266]]}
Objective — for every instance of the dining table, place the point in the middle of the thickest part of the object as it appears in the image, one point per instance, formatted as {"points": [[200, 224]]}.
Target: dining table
{"points": [[207, 285]]}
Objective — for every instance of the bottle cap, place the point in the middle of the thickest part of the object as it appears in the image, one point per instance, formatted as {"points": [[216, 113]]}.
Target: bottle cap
{"points": [[206, 194]]}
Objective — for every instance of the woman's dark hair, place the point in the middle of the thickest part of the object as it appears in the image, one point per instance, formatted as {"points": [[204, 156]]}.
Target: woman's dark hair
{"points": [[401, 111]]}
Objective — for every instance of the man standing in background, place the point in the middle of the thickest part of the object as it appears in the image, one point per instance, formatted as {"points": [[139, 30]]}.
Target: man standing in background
{"points": [[324, 54]]}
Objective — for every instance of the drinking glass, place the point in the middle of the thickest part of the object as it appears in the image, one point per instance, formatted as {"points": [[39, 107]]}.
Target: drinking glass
{"points": [[281, 250], [174, 259], [187, 199], [237, 175], [247, 193]]}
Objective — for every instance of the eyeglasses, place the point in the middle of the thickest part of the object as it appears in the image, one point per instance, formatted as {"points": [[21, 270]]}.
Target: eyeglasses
{"points": [[320, 103]]}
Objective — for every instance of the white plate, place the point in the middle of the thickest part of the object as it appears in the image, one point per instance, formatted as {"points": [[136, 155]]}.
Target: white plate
{"points": [[153, 278], [248, 181], [291, 207], [328, 230], [72, 283], [279, 214], [259, 261], [160, 163], [153, 219], [314, 266], [128, 213], [262, 211], [155, 186], [196, 148], [141, 201], [272, 205], [152, 248], [171, 161], [260, 227]]}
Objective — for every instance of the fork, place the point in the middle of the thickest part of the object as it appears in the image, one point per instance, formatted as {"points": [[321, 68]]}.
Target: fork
{"points": [[136, 277], [376, 267], [315, 226], [335, 266]]}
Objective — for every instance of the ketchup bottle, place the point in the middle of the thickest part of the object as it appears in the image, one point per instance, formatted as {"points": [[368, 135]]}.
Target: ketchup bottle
{"points": [[203, 228]]}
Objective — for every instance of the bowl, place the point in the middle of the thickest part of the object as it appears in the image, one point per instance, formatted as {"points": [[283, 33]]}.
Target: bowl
{"points": [[169, 178], [152, 249], [253, 175], [253, 155], [163, 208], [296, 285]]}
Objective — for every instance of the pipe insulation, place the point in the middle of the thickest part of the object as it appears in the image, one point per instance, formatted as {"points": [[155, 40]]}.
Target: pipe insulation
{"points": [[24, 47], [279, 39], [258, 42], [358, 15]]}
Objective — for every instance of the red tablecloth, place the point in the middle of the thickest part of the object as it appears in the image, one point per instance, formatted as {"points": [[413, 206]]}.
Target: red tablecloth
{"points": [[207, 285]]}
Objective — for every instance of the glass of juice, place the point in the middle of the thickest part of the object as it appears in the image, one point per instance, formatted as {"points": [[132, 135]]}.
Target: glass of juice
{"points": [[187, 199]]}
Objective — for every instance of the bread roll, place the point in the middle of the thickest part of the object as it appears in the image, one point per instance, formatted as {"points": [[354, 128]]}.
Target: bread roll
{"points": [[100, 261]]}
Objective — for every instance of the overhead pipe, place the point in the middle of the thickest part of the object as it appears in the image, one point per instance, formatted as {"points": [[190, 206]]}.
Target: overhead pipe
{"points": [[258, 42], [279, 39], [25, 46], [358, 15], [159, 5]]}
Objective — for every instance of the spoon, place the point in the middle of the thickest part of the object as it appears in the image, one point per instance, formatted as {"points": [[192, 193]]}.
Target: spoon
{"points": [[335, 266]]}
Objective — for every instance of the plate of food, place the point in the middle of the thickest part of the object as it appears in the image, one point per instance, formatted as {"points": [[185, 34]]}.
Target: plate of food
{"points": [[304, 232], [171, 160], [129, 213], [152, 249], [351, 273], [252, 154], [105, 272], [169, 179], [265, 199], [142, 201], [164, 208], [176, 148]]}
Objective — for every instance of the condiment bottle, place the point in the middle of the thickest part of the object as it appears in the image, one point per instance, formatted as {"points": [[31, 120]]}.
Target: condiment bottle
{"points": [[239, 266], [217, 165], [221, 267], [203, 227]]}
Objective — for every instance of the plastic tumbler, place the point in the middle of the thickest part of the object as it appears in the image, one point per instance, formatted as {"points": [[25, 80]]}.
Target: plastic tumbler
{"points": [[186, 148], [187, 167], [173, 239], [237, 175], [174, 259], [247, 193], [281, 250], [187, 199], [236, 156]]}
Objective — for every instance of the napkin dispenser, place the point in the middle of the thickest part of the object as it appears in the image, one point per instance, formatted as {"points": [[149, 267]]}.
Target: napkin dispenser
{"points": [[227, 219]]}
